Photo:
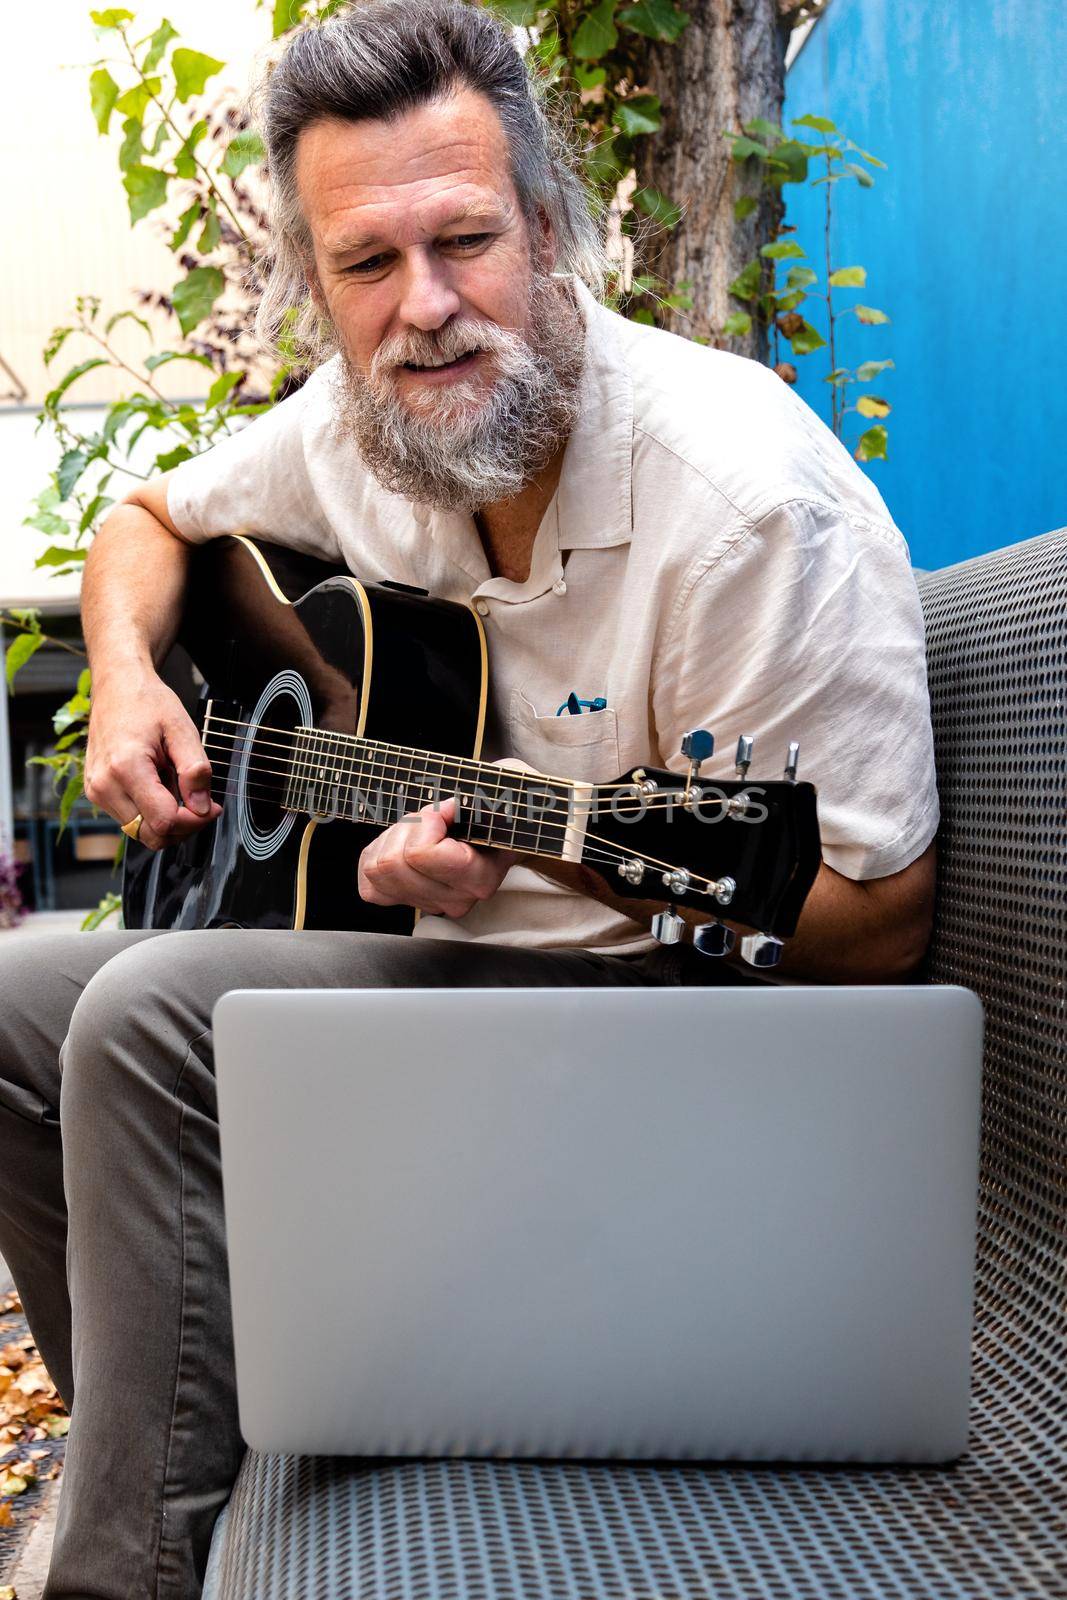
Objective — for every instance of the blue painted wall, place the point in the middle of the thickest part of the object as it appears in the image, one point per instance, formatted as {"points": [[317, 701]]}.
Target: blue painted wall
{"points": [[964, 240]]}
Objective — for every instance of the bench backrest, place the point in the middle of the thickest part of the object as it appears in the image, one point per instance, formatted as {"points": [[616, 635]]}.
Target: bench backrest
{"points": [[997, 652]]}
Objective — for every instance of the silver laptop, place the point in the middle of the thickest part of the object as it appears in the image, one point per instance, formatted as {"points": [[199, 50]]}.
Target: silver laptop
{"points": [[673, 1223]]}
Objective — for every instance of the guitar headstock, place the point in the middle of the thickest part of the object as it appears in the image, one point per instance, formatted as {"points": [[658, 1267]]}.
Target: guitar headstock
{"points": [[741, 848]]}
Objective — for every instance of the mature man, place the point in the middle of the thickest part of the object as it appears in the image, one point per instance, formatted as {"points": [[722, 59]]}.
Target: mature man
{"points": [[635, 517]]}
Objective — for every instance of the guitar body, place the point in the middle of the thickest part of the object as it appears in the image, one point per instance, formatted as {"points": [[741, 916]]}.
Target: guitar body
{"points": [[283, 641]]}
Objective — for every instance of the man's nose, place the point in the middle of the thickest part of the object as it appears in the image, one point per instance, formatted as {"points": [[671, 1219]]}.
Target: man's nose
{"points": [[427, 298]]}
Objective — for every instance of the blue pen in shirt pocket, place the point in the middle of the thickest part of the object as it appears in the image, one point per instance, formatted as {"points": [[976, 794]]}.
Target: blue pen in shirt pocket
{"points": [[576, 706]]}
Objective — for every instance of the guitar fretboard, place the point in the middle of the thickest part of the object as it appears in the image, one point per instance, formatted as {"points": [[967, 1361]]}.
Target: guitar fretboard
{"points": [[364, 780]]}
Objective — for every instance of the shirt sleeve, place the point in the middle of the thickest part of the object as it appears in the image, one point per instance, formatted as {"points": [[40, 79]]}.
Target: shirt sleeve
{"points": [[258, 481], [807, 626]]}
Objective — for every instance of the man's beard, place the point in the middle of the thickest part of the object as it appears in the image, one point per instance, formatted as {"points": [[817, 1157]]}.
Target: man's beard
{"points": [[479, 439]]}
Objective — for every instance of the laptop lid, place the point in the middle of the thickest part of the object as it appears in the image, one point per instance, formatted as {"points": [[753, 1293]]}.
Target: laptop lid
{"points": [[685, 1223]]}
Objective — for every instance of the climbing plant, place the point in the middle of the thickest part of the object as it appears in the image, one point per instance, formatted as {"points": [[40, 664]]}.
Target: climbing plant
{"points": [[777, 302]]}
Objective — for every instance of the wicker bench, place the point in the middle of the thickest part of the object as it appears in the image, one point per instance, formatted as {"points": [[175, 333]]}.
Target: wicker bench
{"points": [[992, 1527]]}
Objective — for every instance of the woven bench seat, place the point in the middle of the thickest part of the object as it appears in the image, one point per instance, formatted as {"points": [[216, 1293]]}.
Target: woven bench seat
{"points": [[991, 1527]]}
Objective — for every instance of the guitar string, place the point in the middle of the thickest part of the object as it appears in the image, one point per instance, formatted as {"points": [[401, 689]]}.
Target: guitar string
{"points": [[664, 800], [603, 851], [360, 742], [607, 855]]}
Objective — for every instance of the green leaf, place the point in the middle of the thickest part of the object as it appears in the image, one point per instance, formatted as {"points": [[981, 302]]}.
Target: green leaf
{"points": [[820, 124], [287, 13], [52, 399], [114, 18], [870, 370], [56, 340], [71, 795], [192, 69], [596, 33], [109, 905], [872, 405], [146, 188], [132, 147], [644, 316], [185, 159], [744, 207], [195, 295], [85, 679], [781, 250], [589, 77], [792, 160], [97, 505], [861, 175], [640, 113], [210, 234], [165, 357], [135, 102], [743, 147], [806, 340], [185, 224], [123, 316], [60, 555], [48, 523], [873, 444], [71, 466], [874, 161], [157, 45], [737, 324], [658, 207], [103, 92], [246, 150], [656, 19], [172, 458], [603, 162], [760, 128], [869, 316], [800, 278], [19, 652], [848, 278], [785, 302], [222, 388], [76, 709], [746, 285], [518, 12]]}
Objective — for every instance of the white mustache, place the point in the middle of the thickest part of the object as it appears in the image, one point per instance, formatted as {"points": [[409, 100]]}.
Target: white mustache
{"points": [[442, 346]]}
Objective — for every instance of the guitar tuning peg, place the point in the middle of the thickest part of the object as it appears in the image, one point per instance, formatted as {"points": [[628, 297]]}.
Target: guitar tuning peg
{"points": [[761, 950], [698, 746], [743, 759], [713, 939], [667, 927], [791, 760]]}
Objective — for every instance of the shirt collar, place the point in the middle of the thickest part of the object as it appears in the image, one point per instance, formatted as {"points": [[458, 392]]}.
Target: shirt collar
{"points": [[594, 495]]}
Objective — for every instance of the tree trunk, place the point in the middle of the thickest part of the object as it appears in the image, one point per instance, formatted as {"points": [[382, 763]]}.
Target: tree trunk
{"points": [[727, 67]]}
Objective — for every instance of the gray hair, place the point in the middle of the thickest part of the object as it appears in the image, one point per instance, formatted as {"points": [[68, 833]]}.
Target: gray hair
{"points": [[377, 60]]}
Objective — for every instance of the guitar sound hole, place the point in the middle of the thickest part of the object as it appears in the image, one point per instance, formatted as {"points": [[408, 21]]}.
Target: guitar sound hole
{"points": [[266, 764]]}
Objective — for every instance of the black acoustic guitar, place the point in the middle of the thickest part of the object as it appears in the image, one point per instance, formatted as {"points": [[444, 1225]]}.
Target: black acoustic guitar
{"points": [[329, 709]]}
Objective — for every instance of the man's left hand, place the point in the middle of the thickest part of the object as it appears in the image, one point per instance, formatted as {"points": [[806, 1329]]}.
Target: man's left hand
{"points": [[416, 863]]}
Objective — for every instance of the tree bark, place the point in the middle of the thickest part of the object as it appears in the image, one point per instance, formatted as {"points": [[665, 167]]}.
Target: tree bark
{"points": [[727, 67]]}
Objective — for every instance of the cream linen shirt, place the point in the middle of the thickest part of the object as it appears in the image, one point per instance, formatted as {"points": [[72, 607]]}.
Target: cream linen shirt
{"points": [[713, 558]]}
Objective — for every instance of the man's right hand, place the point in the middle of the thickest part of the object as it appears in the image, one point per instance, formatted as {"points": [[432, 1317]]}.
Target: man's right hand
{"points": [[140, 735]]}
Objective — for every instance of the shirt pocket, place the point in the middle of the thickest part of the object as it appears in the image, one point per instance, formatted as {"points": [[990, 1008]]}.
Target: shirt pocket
{"points": [[585, 747]]}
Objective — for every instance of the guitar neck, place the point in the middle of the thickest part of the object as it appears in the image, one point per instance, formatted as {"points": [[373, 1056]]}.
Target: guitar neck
{"points": [[336, 775]]}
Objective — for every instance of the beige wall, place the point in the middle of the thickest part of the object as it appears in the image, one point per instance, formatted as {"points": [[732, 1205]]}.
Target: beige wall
{"points": [[66, 225]]}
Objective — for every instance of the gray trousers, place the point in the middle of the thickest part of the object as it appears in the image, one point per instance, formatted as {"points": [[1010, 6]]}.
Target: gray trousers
{"points": [[111, 1207]]}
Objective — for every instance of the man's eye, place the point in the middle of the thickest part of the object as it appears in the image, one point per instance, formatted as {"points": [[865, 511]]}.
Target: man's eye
{"points": [[372, 264], [468, 241]]}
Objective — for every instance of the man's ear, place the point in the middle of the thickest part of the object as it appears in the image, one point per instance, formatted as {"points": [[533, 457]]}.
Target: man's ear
{"points": [[311, 278], [545, 244]]}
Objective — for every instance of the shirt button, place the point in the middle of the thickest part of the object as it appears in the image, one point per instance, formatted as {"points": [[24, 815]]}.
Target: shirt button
{"points": [[560, 586], [482, 607]]}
